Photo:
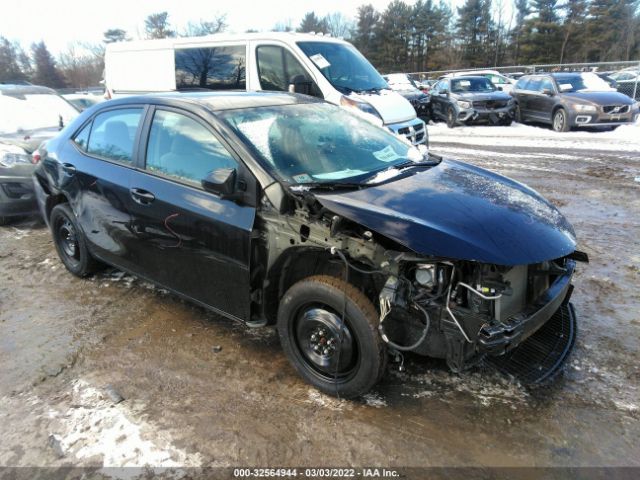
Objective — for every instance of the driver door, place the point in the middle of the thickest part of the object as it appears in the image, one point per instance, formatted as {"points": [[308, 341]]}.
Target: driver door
{"points": [[187, 239]]}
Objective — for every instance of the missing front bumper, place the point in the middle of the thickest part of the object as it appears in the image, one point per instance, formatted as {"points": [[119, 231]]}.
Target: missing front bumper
{"points": [[539, 358]]}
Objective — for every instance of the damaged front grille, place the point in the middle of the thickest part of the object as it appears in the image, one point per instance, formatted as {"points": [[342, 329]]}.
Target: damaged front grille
{"points": [[490, 104]]}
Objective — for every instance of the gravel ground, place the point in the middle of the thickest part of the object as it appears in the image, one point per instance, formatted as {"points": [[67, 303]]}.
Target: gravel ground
{"points": [[112, 372]]}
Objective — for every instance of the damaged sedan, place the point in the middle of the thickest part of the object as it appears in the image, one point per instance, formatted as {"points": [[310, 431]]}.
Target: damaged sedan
{"points": [[280, 209]]}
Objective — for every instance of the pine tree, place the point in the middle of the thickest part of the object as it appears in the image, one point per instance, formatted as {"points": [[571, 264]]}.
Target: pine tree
{"points": [[474, 29], [311, 23], [394, 32], [157, 25], [45, 71], [114, 35], [574, 41], [542, 36], [364, 37], [522, 11], [10, 70]]}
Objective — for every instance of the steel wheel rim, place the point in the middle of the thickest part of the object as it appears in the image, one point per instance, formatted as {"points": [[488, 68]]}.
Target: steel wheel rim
{"points": [[317, 337], [68, 240]]}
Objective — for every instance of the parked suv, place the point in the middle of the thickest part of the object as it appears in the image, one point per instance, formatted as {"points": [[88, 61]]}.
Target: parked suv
{"points": [[468, 100], [406, 87], [570, 100], [274, 208]]}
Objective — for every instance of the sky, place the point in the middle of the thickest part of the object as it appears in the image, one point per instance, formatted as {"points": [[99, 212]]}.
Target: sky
{"points": [[61, 22]]}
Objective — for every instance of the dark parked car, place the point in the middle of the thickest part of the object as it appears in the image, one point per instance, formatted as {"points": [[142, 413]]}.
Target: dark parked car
{"points": [[570, 100], [467, 100], [29, 115], [277, 208], [406, 87]]}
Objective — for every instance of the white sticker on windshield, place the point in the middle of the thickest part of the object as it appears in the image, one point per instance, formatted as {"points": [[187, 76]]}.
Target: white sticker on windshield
{"points": [[320, 61], [565, 86], [302, 178], [387, 154], [465, 83]]}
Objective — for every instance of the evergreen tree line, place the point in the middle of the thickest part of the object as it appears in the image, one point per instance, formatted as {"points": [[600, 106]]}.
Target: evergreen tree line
{"points": [[423, 36], [429, 35]]}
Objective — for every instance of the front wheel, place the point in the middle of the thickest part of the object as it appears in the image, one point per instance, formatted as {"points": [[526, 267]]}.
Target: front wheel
{"points": [[70, 242], [344, 360], [518, 114], [451, 117], [560, 121]]}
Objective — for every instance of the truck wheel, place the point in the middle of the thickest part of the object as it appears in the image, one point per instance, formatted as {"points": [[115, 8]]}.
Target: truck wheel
{"points": [[561, 121], [451, 117], [70, 242], [341, 360]]}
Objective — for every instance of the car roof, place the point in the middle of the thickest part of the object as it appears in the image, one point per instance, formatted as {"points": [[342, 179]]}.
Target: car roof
{"points": [[218, 101], [467, 77], [19, 89]]}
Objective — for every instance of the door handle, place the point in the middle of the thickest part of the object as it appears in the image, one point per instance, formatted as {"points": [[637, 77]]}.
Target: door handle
{"points": [[141, 196], [69, 168]]}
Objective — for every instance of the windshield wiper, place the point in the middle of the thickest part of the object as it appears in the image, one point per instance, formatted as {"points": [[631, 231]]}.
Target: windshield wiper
{"points": [[325, 186]]}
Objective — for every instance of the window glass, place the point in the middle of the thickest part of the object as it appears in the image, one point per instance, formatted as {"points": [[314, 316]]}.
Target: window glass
{"points": [[215, 68], [113, 134], [444, 86], [471, 84], [534, 84], [546, 84], [82, 137], [271, 68], [183, 148]]}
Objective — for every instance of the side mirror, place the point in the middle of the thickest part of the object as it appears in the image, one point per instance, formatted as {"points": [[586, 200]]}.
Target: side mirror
{"points": [[549, 92], [300, 84], [221, 182], [499, 88]]}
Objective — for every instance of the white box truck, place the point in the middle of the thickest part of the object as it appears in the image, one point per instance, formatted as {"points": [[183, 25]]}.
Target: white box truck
{"points": [[322, 66]]}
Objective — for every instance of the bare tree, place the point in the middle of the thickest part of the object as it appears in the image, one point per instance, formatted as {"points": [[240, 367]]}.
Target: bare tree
{"points": [[338, 25], [205, 27], [157, 25]]}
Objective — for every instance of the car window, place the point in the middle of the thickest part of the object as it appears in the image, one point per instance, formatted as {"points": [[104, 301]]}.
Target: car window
{"points": [[443, 86], [82, 137], [471, 84], [546, 84], [277, 67], [214, 68], [113, 134], [534, 84], [182, 148], [522, 84]]}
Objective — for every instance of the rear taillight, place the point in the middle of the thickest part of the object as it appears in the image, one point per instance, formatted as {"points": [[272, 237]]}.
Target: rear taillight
{"points": [[36, 157]]}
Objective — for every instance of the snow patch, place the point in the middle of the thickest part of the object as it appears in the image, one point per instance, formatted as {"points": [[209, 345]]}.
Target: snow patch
{"points": [[374, 400], [325, 401]]}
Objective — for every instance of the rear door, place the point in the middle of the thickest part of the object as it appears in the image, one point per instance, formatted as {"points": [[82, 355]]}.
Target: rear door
{"points": [[541, 103], [524, 93], [187, 239], [96, 172]]}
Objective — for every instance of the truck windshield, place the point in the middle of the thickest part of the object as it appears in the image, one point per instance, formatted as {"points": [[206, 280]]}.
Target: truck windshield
{"points": [[343, 66], [319, 143]]}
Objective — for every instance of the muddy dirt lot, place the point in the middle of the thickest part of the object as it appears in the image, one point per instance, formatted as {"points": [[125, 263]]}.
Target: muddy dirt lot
{"points": [[202, 391]]}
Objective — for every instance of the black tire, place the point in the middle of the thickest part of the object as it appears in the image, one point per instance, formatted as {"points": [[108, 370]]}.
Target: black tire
{"points": [[70, 242], [506, 122], [309, 317], [560, 121], [518, 114], [451, 117]]}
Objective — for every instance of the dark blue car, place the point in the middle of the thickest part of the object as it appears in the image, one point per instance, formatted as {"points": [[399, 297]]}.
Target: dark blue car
{"points": [[273, 208]]}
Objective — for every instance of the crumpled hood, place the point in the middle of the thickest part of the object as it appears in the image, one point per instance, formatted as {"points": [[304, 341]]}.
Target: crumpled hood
{"points": [[392, 107], [459, 211]]}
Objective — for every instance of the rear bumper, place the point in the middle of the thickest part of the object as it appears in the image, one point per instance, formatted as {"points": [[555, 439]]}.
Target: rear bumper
{"points": [[501, 338], [17, 197]]}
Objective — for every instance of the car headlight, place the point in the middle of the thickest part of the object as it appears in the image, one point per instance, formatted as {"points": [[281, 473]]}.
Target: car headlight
{"points": [[11, 155], [463, 104], [585, 108], [361, 107]]}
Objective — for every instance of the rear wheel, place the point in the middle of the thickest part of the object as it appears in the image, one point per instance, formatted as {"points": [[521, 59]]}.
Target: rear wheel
{"points": [[518, 114], [70, 242], [561, 121], [344, 360], [451, 117]]}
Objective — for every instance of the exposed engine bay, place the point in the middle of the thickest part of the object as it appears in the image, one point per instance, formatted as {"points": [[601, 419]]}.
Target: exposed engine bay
{"points": [[457, 310]]}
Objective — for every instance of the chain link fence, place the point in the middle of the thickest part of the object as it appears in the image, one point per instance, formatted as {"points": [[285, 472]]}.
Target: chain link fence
{"points": [[623, 76]]}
